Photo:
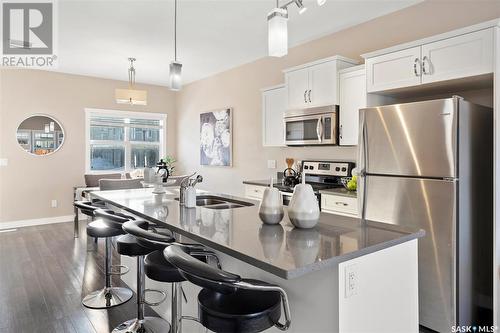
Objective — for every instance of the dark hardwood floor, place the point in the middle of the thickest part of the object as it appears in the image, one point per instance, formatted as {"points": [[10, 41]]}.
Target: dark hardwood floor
{"points": [[45, 272]]}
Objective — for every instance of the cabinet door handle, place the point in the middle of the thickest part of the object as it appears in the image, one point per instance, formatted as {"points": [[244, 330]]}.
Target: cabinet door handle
{"points": [[309, 95], [423, 65], [415, 64], [340, 203], [340, 131], [305, 93]]}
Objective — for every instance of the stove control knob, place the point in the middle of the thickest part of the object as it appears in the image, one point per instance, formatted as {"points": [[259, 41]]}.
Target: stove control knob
{"points": [[337, 169], [311, 167], [344, 169], [306, 167]]}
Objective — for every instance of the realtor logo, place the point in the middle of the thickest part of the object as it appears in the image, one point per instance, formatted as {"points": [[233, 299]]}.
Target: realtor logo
{"points": [[28, 34]]}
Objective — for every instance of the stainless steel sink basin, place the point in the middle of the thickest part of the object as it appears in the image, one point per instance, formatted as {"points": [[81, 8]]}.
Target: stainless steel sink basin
{"points": [[208, 202], [217, 202]]}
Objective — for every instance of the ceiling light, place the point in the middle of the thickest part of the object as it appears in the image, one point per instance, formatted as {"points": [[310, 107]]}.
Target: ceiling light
{"points": [[277, 32], [175, 66], [301, 6], [130, 95], [321, 2]]}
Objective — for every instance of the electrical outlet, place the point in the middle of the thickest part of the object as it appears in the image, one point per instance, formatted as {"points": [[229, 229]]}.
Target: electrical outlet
{"points": [[53, 203], [271, 164], [351, 280]]}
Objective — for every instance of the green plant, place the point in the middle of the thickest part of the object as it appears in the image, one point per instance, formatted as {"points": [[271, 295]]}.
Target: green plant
{"points": [[169, 161]]}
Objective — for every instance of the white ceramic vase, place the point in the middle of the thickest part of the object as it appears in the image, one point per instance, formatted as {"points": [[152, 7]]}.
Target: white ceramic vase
{"points": [[271, 207], [303, 209]]}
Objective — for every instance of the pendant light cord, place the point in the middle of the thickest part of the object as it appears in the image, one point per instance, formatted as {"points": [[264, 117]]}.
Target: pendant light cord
{"points": [[175, 30]]}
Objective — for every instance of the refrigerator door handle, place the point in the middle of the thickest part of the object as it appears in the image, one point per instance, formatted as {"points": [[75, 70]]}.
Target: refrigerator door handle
{"points": [[362, 154]]}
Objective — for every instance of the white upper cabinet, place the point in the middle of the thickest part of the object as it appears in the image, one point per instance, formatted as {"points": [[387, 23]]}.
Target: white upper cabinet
{"points": [[440, 58], [352, 97], [394, 70], [273, 107], [314, 84], [323, 84], [461, 56], [297, 88]]}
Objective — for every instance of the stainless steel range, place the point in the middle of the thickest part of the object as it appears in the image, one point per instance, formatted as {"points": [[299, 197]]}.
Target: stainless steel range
{"points": [[320, 175]]}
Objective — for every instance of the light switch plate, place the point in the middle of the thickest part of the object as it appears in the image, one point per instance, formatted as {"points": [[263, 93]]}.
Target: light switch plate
{"points": [[271, 164], [4, 162]]}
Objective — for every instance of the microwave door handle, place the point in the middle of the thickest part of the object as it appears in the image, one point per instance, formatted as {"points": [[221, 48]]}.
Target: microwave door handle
{"points": [[319, 129]]}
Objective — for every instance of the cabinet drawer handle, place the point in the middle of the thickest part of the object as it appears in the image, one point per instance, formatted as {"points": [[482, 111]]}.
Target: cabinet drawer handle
{"points": [[309, 95], [305, 93], [340, 203], [423, 65], [415, 64]]}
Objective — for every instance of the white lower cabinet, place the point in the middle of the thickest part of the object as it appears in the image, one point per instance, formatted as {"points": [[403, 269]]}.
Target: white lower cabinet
{"points": [[254, 191], [339, 204]]}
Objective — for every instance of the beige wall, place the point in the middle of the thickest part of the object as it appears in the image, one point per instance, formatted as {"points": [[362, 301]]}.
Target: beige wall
{"points": [[29, 183], [239, 88]]}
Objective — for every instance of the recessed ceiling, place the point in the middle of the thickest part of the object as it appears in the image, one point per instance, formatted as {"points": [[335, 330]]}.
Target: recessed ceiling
{"points": [[95, 38]]}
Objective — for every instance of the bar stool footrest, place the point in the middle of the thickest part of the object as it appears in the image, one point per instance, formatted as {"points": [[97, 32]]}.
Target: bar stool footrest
{"points": [[164, 297], [126, 268], [148, 324]]}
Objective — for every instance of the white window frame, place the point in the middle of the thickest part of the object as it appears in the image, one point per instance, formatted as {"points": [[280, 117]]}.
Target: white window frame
{"points": [[162, 117]]}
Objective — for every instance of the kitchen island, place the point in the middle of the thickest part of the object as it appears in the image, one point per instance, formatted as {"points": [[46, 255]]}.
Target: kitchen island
{"points": [[341, 276]]}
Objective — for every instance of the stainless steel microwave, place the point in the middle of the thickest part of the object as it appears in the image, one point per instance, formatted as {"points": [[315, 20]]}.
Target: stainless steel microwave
{"points": [[315, 126]]}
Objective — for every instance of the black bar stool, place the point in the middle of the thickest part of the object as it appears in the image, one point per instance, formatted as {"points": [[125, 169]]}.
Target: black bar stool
{"points": [[228, 303], [128, 245], [106, 227], [87, 208], [159, 269]]}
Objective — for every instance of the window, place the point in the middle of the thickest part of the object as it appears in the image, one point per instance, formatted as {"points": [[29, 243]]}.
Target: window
{"points": [[123, 141]]}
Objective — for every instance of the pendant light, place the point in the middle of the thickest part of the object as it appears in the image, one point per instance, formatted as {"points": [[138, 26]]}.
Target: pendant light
{"points": [[175, 66], [130, 95], [277, 32]]}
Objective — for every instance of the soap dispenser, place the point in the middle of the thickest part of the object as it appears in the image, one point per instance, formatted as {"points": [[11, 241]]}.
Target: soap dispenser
{"points": [[303, 209], [271, 207]]}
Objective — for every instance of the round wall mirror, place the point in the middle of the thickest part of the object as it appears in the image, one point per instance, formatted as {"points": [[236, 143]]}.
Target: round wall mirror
{"points": [[40, 135]]}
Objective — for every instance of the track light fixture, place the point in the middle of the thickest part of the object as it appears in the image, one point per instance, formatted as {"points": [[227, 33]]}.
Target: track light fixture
{"points": [[277, 21]]}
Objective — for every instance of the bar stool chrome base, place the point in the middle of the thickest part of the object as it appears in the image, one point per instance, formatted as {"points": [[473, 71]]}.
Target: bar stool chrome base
{"points": [[107, 298], [147, 325]]}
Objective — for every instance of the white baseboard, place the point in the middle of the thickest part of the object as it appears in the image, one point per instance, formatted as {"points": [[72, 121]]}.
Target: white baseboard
{"points": [[32, 222]]}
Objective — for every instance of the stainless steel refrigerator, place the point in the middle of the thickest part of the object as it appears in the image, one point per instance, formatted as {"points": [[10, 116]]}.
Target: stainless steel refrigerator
{"points": [[430, 165]]}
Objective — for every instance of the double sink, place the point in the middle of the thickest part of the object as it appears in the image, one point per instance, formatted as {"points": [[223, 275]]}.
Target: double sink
{"points": [[217, 202]]}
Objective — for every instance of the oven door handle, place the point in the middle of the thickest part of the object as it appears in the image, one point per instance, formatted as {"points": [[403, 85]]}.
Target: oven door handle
{"points": [[319, 129]]}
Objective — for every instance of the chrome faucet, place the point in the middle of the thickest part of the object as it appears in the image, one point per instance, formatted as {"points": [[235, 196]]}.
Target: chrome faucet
{"points": [[185, 184]]}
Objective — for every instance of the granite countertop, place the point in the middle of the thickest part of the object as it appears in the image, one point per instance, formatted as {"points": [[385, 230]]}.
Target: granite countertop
{"points": [[337, 191], [282, 250], [260, 182]]}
